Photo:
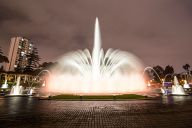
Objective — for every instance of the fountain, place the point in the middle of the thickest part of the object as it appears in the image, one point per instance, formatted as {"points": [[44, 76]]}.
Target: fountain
{"points": [[161, 90], [5, 85], [113, 72], [150, 68], [186, 85], [17, 89], [30, 92], [165, 86], [176, 88], [31, 88]]}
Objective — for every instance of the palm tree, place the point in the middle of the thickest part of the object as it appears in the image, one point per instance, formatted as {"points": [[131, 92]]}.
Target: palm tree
{"points": [[186, 67]]}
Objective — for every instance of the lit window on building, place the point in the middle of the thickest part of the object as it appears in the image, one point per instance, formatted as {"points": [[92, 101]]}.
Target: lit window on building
{"points": [[22, 53]]}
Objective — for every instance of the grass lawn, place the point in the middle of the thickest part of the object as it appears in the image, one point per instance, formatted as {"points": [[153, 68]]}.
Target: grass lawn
{"points": [[98, 97]]}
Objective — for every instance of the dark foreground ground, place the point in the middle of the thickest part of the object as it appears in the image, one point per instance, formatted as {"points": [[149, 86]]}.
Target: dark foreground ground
{"points": [[23, 112]]}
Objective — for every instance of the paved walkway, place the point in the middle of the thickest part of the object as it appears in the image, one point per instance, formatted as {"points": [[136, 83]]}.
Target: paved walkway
{"points": [[32, 113]]}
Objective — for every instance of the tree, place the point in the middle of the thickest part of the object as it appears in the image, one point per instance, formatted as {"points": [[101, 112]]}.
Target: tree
{"points": [[33, 61], [2, 57], [186, 68], [160, 71], [46, 65], [169, 71]]}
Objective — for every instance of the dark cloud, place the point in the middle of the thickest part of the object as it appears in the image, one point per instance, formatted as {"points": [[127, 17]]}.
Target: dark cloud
{"points": [[158, 31], [7, 14]]}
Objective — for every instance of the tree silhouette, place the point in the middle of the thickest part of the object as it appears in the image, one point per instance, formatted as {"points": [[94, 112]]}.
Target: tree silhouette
{"points": [[186, 68], [160, 72], [47, 65], [33, 61], [168, 70]]}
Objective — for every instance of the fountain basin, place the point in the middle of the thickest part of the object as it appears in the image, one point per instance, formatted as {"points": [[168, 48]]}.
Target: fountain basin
{"points": [[20, 95], [179, 94]]}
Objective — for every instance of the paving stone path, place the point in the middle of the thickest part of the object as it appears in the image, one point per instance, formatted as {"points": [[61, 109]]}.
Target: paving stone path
{"points": [[169, 112]]}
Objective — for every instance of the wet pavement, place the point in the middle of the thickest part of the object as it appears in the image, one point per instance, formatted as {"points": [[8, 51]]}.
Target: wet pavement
{"points": [[23, 112]]}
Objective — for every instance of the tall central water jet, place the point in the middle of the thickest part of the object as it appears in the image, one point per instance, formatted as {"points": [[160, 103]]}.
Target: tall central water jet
{"points": [[96, 52], [112, 72]]}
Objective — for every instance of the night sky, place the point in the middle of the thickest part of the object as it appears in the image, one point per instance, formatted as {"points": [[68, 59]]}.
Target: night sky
{"points": [[157, 31]]}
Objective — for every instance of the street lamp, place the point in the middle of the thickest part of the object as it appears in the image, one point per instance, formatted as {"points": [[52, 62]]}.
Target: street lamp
{"points": [[148, 84], [43, 84]]}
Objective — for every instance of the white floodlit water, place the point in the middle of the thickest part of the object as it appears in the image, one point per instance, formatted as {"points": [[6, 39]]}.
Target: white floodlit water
{"points": [[17, 89], [110, 72]]}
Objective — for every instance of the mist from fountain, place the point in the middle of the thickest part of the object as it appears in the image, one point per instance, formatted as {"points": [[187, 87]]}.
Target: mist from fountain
{"points": [[5, 85], [176, 88], [113, 72], [17, 89]]}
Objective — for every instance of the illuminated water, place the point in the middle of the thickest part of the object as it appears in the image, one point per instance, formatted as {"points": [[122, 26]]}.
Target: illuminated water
{"points": [[176, 88], [186, 85], [110, 72], [17, 89], [5, 85]]}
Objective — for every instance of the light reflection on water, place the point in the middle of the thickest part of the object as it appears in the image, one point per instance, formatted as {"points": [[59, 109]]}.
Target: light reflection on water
{"points": [[16, 105], [175, 99], [31, 113]]}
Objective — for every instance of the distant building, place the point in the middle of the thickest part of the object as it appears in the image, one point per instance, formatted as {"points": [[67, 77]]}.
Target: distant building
{"points": [[19, 49]]}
